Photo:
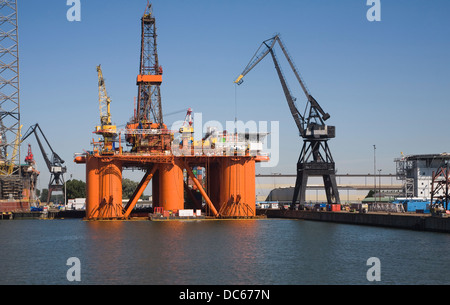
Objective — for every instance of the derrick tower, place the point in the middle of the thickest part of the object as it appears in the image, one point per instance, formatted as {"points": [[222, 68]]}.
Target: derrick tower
{"points": [[146, 131], [150, 73], [9, 90]]}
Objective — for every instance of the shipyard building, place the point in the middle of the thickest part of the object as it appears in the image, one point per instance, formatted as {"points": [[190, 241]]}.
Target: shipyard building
{"points": [[416, 172]]}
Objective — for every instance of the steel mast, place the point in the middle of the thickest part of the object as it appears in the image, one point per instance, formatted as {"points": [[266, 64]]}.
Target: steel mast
{"points": [[9, 90], [148, 113], [149, 79]]}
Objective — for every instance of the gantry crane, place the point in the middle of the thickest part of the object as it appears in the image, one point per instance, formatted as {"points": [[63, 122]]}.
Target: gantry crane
{"points": [[54, 165], [315, 157], [106, 128]]}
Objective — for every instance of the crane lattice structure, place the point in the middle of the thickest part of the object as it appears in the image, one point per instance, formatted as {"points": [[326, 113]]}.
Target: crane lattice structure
{"points": [[54, 163], [104, 99], [440, 187], [106, 128], [9, 90], [315, 157]]}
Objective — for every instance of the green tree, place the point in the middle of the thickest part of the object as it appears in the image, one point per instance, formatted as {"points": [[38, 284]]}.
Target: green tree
{"points": [[370, 194], [128, 188], [75, 189], [44, 195]]}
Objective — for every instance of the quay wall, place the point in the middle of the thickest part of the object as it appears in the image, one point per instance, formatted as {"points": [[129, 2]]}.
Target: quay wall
{"points": [[419, 222]]}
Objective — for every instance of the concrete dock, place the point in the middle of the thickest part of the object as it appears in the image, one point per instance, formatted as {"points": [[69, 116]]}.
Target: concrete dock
{"points": [[419, 222]]}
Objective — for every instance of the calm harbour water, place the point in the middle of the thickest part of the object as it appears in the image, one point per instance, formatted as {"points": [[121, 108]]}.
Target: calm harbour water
{"points": [[233, 252]]}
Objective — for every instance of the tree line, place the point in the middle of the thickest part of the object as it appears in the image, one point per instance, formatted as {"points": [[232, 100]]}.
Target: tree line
{"points": [[77, 189]]}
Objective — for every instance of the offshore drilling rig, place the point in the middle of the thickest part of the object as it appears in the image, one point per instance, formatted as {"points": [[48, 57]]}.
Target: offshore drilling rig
{"points": [[168, 158]]}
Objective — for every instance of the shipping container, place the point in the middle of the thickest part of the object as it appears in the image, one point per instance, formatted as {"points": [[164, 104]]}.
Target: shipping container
{"points": [[335, 207], [186, 213]]}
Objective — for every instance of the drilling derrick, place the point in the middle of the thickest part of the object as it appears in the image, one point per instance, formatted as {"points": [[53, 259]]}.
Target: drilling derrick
{"points": [[146, 132]]}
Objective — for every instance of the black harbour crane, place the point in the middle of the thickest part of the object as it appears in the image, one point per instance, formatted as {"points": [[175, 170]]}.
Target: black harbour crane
{"points": [[54, 165], [315, 157]]}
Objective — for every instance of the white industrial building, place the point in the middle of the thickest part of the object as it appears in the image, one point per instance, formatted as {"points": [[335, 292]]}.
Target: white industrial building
{"points": [[416, 172]]}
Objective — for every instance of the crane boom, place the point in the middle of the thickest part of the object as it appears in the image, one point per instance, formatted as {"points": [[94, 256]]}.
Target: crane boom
{"points": [[315, 158], [106, 128], [298, 118], [104, 99], [56, 161], [54, 165], [311, 125]]}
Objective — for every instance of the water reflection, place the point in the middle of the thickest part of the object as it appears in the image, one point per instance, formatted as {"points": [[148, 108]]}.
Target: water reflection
{"points": [[225, 252]]}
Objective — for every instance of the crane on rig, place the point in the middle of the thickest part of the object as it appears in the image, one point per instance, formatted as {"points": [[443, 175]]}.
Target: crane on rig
{"points": [[54, 164], [315, 157], [106, 128]]}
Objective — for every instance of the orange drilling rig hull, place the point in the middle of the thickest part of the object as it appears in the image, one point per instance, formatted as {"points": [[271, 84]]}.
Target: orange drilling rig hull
{"points": [[228, 189]]}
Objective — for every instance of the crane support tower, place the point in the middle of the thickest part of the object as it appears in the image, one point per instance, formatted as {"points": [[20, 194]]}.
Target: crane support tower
{"points": [[440, 186], [54, 165], [148, 112], [315, 157], [9, 91]]}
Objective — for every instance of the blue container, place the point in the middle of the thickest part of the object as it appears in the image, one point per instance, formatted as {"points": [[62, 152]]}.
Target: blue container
{"points": [[413, 206]]}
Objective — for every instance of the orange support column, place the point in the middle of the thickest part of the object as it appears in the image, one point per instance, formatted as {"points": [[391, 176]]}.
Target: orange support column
{"points": [[171, 186], [92, 187], [237, 190], [110, 206], [250, 186]]}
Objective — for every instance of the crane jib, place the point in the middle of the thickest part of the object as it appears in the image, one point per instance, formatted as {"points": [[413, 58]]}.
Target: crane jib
{"points": [[302, 123]]}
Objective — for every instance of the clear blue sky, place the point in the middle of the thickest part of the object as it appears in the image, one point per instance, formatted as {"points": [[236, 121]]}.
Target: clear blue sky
{"points": [[385, 83]]}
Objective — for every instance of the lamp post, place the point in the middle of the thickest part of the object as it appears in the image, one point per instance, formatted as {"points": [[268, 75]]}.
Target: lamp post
{"points": [[379, 183], [374, 173]]}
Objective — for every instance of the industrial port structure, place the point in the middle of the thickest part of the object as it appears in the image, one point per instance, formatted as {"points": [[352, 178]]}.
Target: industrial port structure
{"points": [[167, 157], [17, 180], [220, 166], [315, 157]]}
